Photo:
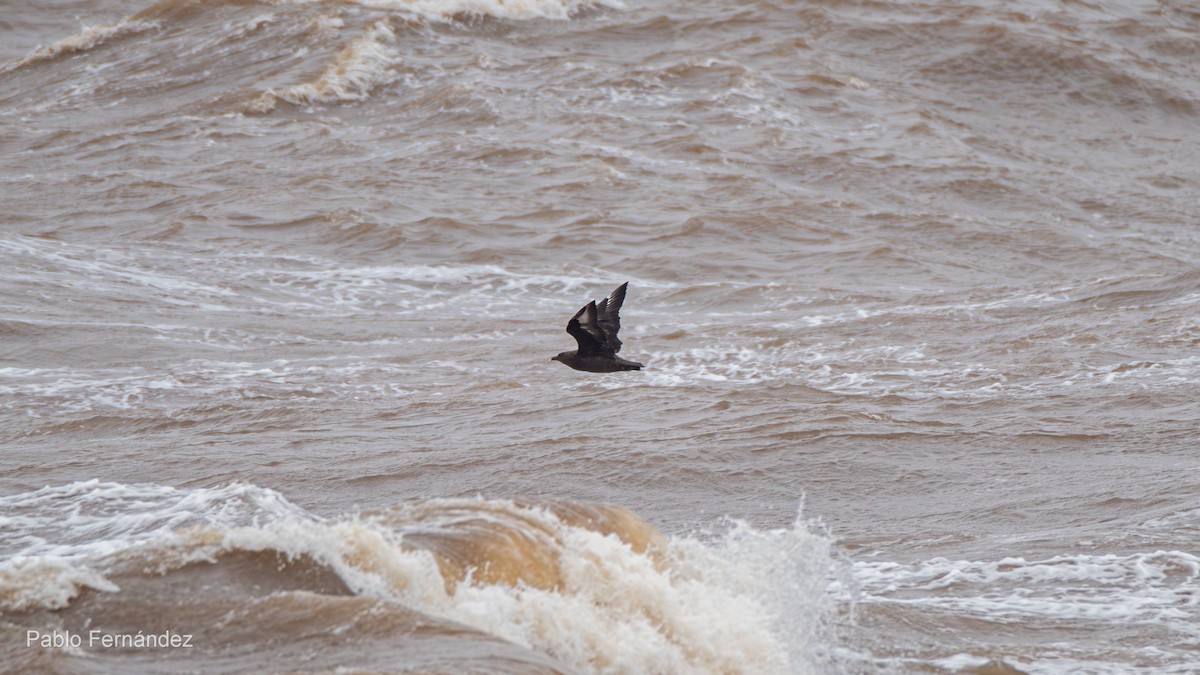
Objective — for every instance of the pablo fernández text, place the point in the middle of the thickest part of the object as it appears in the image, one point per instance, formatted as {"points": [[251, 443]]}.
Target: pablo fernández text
{"points": [[93, 639]]}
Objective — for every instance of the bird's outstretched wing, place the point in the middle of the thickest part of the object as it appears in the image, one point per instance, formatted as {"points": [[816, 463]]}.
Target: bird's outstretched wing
{"points": [[609, 317], [585, 328], [595, 327]]}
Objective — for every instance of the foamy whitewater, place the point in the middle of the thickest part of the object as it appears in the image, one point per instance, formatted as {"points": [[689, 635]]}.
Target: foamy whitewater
{"points": [[605, 592], [915, 285]]}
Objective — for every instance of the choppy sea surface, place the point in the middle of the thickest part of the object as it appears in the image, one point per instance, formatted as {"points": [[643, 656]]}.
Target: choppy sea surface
{"points": [[915, 284]]}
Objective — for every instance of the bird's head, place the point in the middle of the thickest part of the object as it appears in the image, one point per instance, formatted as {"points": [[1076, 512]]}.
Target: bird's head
{"points": [[561, 358]]}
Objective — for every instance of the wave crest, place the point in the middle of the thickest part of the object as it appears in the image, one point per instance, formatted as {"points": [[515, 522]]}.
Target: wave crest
{"points": [[358, 69], [88, 38], [590, 585]]}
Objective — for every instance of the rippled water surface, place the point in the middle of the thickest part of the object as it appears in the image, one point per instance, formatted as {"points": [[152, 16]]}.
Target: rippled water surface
{"points": [[915, 284]]}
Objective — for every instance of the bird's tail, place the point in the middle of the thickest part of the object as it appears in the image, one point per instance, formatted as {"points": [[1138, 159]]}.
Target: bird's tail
{"points": [[629, 365]]}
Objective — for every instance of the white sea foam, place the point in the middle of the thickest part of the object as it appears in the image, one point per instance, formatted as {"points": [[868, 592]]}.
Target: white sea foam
{"points": [[54, 541], [1159, 588], [87, 38], [46, 581], [1142, 374], [441, 10], [454, 291], [751, 602], [1058, 664], [845, 368], [1103, 593], [484, 277], [747, 600], [1186, 522], [92, 519], [363, 65], [110, 269], [1017, 299], [288, 285], [80, 390]]}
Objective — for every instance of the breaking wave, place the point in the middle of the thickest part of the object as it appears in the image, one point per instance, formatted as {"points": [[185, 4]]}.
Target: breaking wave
{"points": [[361, 66], [88, 38], [590, 585]]}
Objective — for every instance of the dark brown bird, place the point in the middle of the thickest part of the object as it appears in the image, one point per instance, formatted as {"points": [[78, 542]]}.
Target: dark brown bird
{"points": [[595, 329]]}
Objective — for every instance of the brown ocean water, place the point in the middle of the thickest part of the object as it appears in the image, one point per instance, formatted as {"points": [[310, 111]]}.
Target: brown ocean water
{"points": [[915, 284]]}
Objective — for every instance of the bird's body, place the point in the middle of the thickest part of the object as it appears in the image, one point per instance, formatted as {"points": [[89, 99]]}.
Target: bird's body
{"points": [[596, 364], [595, 329]]}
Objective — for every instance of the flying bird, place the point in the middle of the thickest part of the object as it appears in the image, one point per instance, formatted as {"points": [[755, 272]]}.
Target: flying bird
{"points": [[595, 329]]}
